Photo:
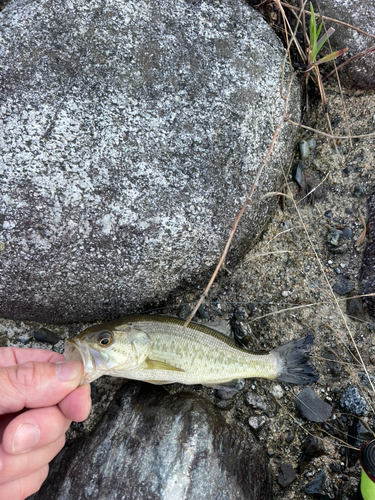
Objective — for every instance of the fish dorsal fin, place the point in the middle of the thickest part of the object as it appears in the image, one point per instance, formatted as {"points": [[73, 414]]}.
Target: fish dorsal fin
{"points": [[151, 364]]}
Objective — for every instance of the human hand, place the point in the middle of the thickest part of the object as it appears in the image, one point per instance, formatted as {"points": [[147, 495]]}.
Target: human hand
{"points": [[39, 397]]}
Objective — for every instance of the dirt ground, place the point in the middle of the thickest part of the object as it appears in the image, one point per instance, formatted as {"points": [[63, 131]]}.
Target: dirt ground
{"points": [[284, 289]]}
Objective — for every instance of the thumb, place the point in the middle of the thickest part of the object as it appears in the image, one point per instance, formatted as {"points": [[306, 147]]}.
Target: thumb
{"points": [[36, 385]]}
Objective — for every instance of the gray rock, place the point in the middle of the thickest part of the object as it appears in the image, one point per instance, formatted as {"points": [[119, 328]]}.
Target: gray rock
{"points": [[347, 233], [333, 236], [304, 150], [287, 475], [321, 487], [343, 287], [361, 72], [255, 401], [312, 447], [131, 134], [257, 422], [353, 402], [312, 407], [152, 445], [46, 335]]}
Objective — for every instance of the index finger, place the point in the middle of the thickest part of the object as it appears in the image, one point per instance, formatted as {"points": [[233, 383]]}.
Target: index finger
{"points": [[11, 356]]}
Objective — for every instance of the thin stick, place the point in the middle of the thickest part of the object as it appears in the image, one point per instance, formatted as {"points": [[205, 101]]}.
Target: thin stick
{"points": [[328, 135]]}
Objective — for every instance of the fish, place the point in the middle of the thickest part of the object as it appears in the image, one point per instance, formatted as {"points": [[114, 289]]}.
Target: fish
{"points": [[160, 350]]}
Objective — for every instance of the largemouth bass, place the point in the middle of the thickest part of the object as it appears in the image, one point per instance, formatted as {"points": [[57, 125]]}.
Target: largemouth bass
{"points": [[160, 350]]}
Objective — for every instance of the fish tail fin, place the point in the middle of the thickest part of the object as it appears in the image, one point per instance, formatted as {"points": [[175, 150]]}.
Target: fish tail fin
{"points": [[294, 362]]}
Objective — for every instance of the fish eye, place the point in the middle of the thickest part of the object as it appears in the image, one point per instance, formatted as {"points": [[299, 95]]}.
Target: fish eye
{"points": [[105, 338]]}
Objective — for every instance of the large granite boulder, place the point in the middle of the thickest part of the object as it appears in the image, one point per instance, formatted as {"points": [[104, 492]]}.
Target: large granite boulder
{"points": [[131, 132], [360, 14], [152, 445]]}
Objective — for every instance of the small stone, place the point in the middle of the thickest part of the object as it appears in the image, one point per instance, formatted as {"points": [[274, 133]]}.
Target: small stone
{"points": [[45, 335], [312, 143], [284, 293], [312, 407], [257, 422], [346, 171], [290, 437], [348, 211], [347, 233], [333, 237], [288, 202], [328, 214], [24, 338], [203, 312], [321, 487], [335, 467], [354, 307], [337, 270], [255, 401], [359, 192], [298, 174], [304, 150], [353, 402], [3, 340], [225, 405], [277, 391], [343, 287], [311, 448], [287, 475]]}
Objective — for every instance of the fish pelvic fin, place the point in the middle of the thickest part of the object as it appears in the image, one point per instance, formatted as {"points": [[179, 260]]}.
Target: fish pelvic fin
{"points": [[151, 364], [294, 362]]}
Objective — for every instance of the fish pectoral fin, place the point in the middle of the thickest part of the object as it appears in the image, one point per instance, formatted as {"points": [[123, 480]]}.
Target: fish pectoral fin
{"points": [[151, 364]]}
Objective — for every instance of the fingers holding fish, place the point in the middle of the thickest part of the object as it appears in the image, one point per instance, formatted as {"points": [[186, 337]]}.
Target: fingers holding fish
{"points": [[76, 406], [33, 430], [25, 486]]}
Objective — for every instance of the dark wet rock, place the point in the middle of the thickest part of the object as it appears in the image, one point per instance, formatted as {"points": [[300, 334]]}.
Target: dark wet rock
{"points": [[255, 401], [359, 192], [335, 467], [347, 233], [154, 445], [353, 402], [132, 133], [358, 435], [225, 404], [343, 287], [203, 312], [45, 335], [348, 211], [328, 214], [289, 437], [312, 447], [312, 407], [354, 308], [333, 366], [287, 475], [321, 487], [304, 150], [360, 72], [333, 237], [367, 273], [298, 173]]}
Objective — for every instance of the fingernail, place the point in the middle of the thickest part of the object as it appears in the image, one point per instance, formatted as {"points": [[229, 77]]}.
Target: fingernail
{"points": [[26, 436], [68, 370]]}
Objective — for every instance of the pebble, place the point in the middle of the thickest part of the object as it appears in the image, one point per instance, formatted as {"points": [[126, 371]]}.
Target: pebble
{"points": [[354, 307], [277, 391], [335, 467], [304, 150], [45, 335], [225, 405], [321, 487], [343, 287], [255, 401], [257, 422], [347, 233], [348, 211], [287, 475], [24, 338], [333, 237], [359, 192], [298, 176], [312, 407], [353, 402], [328, 214], [312, 447], [290, 437], [337, 270], [312, 143]]}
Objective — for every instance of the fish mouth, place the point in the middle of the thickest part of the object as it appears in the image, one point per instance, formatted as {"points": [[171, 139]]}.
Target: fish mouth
{"points": [[93, 363]]}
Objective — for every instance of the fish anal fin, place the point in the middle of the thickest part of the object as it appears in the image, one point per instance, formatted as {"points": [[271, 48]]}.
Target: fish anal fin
{"points": [[158, 382], [151, 364], [230, 386]]}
